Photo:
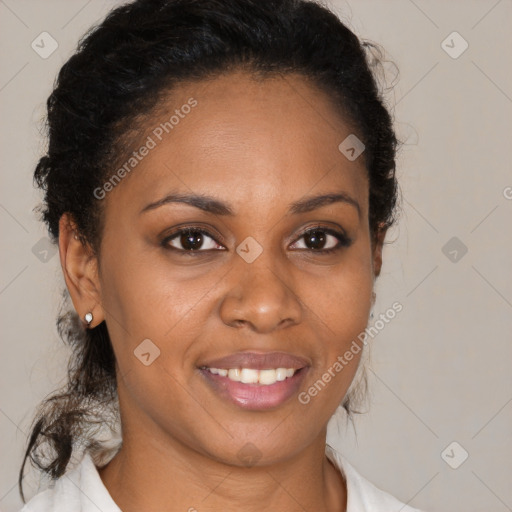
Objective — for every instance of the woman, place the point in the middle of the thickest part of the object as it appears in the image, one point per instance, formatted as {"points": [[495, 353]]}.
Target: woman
{"points": [[219, 180]]}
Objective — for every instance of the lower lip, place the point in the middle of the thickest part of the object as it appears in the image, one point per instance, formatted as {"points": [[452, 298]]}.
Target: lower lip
{"points": [[255, 396]]}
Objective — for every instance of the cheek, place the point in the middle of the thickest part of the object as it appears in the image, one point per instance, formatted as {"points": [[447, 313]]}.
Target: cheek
{"points": [[145, 297], [149, 311], [343, 305], [137, 289], [344, 300]]}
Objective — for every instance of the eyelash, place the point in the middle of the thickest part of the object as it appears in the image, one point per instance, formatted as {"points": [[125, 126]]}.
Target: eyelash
{"points": [[343, 240]]}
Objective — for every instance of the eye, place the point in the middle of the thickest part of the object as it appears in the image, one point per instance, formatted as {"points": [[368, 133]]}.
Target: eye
{"points": [[324, 240], [190, 240]]}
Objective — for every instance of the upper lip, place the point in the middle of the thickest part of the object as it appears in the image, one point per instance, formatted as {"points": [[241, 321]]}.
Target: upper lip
{"points": [[258, 361]]}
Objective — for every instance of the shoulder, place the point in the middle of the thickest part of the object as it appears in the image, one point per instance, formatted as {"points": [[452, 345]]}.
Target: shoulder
{"points": [[79, 489], [41, 502], [362, 495], [52, 499]]}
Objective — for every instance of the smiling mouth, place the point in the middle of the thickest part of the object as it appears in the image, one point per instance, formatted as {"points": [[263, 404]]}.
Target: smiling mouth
{"points": [[255, 380], [252, 389], [265, 377]]}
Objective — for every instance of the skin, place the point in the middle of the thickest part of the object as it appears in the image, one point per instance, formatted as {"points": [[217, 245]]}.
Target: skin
{"points": [[256, 145]]}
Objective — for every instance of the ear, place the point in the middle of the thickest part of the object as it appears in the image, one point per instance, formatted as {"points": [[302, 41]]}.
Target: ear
{"points": [[80, 269], [377, 245]]}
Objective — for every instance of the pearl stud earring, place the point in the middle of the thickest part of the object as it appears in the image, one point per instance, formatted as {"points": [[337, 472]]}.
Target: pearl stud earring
{"points": [[88, 318]]}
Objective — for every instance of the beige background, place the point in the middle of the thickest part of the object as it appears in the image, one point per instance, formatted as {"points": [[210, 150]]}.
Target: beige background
{"points": [[440, 371]]}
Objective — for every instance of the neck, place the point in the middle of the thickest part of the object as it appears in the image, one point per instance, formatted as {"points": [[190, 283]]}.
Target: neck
{"points": [[152, 477]]}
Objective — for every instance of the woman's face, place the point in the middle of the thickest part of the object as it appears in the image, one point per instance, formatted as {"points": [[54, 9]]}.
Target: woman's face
{"points": [[246, 283]]}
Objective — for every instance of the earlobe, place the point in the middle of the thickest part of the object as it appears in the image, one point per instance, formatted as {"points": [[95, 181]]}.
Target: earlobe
{"points": [[80, 268]]}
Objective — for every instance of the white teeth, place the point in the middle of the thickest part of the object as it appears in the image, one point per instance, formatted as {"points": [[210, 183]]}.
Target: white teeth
{"points": [[267, 377], [234, 374], [252, 376], [281, 374], [249, 376]]}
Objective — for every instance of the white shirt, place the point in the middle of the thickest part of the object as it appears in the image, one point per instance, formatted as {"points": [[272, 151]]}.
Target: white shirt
{"points": [[82, 490]]}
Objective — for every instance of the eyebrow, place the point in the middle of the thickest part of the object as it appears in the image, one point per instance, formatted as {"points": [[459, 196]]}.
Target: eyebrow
{"points": [[212, 205]]}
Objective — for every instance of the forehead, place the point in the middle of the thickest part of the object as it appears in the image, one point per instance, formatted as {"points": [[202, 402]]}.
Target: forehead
{"points": [[246, 140]]}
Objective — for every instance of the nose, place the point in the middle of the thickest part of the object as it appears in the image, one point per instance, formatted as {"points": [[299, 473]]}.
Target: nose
{"points": [[262, 297]]}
